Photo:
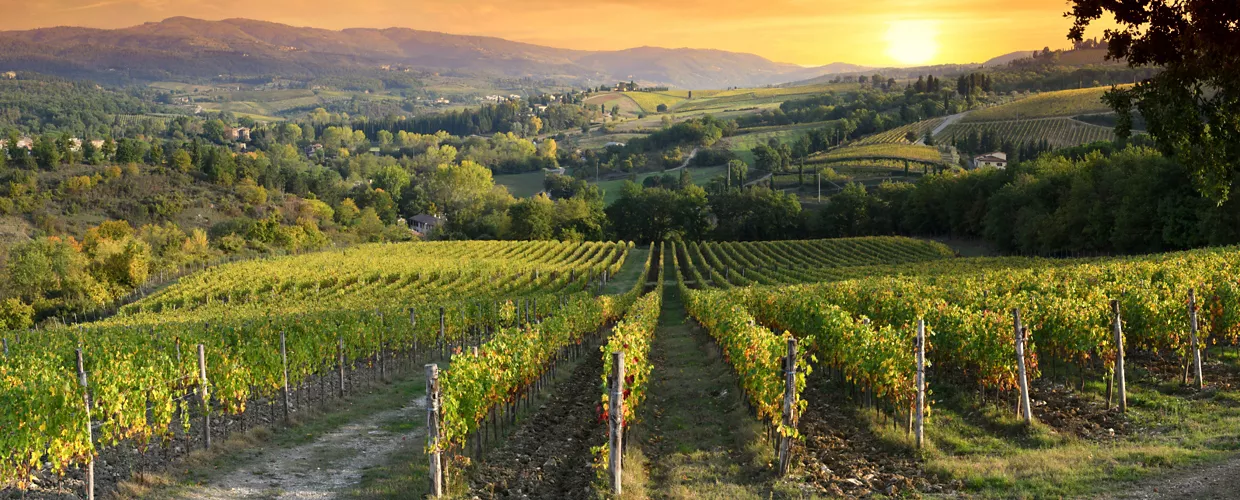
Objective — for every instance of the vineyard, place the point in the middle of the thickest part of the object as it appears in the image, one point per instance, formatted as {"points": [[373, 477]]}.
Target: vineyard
{"points": [[1045, 105], [871, 151], [219, 341], [1058, 132], [899, 135], [862, 325], [877, 365]]}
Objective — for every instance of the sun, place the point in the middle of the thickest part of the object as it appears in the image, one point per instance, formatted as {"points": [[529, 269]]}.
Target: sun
{"points": [[913, 41]]}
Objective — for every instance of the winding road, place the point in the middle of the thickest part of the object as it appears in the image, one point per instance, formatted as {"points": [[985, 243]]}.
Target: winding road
{"points": [[950, 119]]}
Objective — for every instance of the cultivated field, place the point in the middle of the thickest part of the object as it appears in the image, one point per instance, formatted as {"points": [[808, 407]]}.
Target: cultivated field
{"points": [[864, 151], [1049, 104], [321, 360], [1059, 132], [898, 135]]}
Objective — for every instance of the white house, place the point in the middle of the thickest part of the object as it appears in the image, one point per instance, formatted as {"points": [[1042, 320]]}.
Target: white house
{"points": [[996, 159]]}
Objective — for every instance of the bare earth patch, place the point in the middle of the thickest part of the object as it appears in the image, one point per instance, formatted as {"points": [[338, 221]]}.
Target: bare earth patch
{"points": [[321, 469]]}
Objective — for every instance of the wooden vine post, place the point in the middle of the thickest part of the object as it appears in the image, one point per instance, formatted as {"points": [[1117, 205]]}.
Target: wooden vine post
{"points": [[790, 393], [340, 364], [284, 365], [432, 429], [442, 332], [204, 395], [1192, 331], [382, 353], [1022, 380], [1120, 382], [413, 325], [6, 346], [920, 425], [616, 411], [90, 433]]}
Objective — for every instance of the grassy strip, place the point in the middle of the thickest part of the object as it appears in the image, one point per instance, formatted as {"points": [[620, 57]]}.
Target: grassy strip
{"points": [[697, 440]]}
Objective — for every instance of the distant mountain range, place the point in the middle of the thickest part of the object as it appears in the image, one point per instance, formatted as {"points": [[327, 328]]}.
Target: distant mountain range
{"points": [[192, 49]]}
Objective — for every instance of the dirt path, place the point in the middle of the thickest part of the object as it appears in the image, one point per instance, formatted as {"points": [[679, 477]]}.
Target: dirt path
{"points": [[692, 155], [549, 455], [1215, 482], [324, 468], [946, 123]]}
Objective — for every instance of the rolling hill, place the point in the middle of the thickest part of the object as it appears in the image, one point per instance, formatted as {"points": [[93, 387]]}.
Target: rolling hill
{"points": [[191, 49]]}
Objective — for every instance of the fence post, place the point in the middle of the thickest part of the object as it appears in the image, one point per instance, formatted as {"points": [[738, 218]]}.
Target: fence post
{"points": [[340, 364], [204, 395], [790, 393], [382, 351], [919, 429], [90, 433], [6, 346], [284, 365], [442, 332], [413, 326], [432, 429], [1121, 385], [616, 411], [1192, 329], [1021, 380]]}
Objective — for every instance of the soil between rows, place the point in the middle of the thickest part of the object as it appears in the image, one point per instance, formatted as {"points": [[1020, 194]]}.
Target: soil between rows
{"points": [[549, 455]]}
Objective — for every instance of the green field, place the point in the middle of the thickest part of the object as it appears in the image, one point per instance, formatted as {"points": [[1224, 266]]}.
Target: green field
{"points": [[522, 185], [1045, 105], [650, 101], [598, 141]]}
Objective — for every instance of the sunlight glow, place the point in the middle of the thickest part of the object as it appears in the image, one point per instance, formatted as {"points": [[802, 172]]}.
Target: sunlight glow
{"points": [[913, 42]]}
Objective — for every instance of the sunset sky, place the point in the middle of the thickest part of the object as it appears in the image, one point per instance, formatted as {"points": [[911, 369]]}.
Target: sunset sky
{"points": [[807, 32]]}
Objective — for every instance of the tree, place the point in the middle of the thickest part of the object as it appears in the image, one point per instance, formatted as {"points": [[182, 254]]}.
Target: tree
{"points": [[533, 218], [460, 190], [1192, 107], [68, 152], [737, 172], [369, 227], [846, 214], [109, 149], [46, 153], [393, 179], [661, 108], [547, 149], [182, 161], [155, 155], [756, 214]]}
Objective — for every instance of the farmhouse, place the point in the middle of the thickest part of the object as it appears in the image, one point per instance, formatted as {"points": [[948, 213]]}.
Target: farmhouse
{"points": [[997, 160], [423, 223], [238, 134], [23, 142]]}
